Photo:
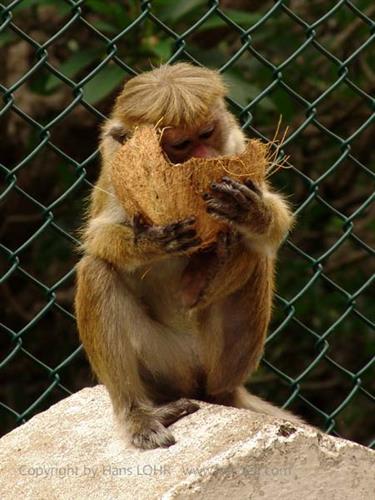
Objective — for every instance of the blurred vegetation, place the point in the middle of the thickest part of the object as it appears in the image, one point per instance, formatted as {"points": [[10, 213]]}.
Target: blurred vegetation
{"points": [[311, 63]]}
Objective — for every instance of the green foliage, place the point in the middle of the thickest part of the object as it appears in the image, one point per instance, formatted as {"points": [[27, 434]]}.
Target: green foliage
{"points": [[78, 61], [103, 83]]}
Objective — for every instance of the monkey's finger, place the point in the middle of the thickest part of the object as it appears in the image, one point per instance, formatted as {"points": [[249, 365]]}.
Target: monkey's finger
{"points": [[189, 220], [250, 198], [225, 206], [230, 191], [178, 246], [248, 188], [218, 216], [181, 246], [140, 223], [179, 227], [251, 185], [181, 223], [182, 235], [222, 212], [165, 234], [219, 199]]}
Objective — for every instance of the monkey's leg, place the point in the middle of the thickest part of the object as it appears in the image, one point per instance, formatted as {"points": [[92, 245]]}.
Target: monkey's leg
{"points": [[241, 398], [111, 322]]}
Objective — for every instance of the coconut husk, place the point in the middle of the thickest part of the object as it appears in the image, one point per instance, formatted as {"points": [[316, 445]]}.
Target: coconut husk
{"points": [[147, 183]]}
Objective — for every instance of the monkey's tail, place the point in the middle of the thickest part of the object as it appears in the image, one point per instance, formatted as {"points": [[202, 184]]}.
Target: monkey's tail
{"points": [[246, 400]]}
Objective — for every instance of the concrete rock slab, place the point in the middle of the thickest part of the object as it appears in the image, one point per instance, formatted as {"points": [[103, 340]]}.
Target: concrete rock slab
{"points": [[73, 451]]}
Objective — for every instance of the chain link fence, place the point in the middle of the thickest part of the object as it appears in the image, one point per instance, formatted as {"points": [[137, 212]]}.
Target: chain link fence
{"points": [[63, 61]]}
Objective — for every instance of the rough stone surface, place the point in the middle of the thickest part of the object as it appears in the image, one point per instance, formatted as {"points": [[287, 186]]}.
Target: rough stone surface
{"points": [[73, 451]]}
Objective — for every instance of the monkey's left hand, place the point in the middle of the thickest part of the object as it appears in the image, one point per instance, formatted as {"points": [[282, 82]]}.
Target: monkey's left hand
{"points": [[241, 204]]}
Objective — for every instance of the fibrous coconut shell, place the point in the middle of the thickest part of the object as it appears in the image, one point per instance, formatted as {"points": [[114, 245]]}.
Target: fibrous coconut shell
{"points": [[146, 182]]}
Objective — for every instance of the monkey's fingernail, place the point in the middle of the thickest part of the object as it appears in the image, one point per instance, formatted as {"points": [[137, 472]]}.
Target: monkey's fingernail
{"points": [[190, 220], [229, 180]]}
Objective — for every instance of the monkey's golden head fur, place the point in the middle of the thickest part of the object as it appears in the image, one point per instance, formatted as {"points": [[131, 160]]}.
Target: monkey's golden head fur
{"points": [[174, 95]]}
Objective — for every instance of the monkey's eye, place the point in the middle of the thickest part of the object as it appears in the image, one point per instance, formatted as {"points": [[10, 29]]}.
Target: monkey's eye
{"points": [[207, 133], [118, 134], [180, 146]]}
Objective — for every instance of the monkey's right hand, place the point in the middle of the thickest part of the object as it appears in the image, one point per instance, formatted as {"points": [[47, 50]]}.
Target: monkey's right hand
{"points": [[175, 238]]}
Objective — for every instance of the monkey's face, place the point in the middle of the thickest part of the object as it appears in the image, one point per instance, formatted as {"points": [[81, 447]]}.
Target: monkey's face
{"points": [[200, 141]]}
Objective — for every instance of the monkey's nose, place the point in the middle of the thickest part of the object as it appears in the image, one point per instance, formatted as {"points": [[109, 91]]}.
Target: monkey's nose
{"points": [[200, 151]]}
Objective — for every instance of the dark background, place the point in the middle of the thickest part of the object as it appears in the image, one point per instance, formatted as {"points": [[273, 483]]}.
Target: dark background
{"points": [[311, 63]]}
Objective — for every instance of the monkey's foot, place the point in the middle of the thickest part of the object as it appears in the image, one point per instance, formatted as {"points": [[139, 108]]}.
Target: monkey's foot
{"points": [[172, 412], [153, 436], [238, 203], [176, 237]]}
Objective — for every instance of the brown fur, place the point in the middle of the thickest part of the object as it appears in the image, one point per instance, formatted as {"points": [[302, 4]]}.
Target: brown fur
{"points": [[161, 326]]}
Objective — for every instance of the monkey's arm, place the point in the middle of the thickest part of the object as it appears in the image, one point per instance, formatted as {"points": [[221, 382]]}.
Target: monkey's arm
{"points": [[130, 245], [114, 243], [214, 274], [261, 218]]}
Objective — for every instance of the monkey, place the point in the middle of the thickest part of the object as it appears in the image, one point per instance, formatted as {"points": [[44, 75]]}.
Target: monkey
{"points": [[163, 323]]}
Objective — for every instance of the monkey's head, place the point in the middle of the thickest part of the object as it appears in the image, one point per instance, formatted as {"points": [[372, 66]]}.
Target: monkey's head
{"points": [[187, 102]]}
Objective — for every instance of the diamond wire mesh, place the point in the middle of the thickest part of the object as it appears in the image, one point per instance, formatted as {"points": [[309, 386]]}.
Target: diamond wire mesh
{"points": [[313, 65]]}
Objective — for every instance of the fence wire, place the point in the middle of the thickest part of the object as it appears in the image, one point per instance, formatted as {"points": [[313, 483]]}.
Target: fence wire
{"points": [[313, 65]]}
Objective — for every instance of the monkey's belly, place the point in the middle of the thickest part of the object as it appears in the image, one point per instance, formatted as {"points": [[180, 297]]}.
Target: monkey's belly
{"points": [[158, 287], [169, 362]]}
